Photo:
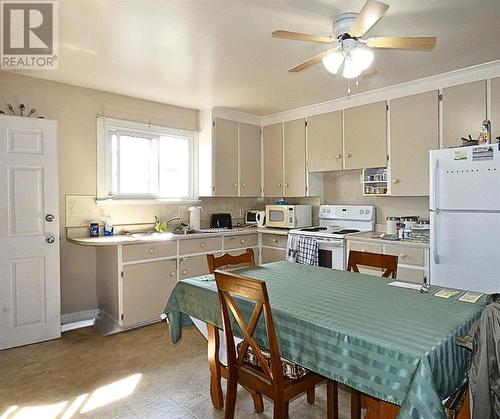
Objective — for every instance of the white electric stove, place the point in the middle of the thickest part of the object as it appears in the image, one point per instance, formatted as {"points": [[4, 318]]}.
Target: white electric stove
{"points": [[335, 223]]}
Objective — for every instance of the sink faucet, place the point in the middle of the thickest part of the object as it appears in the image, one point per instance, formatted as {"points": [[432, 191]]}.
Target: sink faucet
{"points": [[161, 226], [173, 219]]}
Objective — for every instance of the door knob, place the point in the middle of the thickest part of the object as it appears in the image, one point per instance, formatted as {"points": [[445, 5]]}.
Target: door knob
{"points": [[395, 180], [50, 239], [348, 155], [173, 273], [235, 185], [49, 218], [286, 185], [278, 185], [243, 185], [338, 156]]}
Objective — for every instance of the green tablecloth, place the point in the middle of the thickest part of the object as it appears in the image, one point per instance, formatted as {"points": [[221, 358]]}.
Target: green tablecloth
{"points": [[392, 343]]}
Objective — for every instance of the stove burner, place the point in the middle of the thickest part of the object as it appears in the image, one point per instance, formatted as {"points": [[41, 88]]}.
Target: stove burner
{"points": [[313, 229], [346, 231]]}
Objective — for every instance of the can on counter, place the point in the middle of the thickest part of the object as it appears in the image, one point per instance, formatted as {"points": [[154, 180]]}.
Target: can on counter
{"points": [[94, 229], [392, 225], [410, 221]]}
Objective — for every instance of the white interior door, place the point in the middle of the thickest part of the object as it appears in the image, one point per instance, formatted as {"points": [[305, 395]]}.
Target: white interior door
{"points": [[29, 232], [464, 250]]}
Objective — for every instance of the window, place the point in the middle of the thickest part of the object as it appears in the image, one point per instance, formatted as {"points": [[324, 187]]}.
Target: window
{"points": [[139, 161]]}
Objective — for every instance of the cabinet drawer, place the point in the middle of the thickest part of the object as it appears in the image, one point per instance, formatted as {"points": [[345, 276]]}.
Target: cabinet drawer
{"points": [[274, 240], [209, 244], [190, 266], [146, 288], [410, 275], [406, 254], [234, 242], [364, 247], [149, 250], [272, 255]]}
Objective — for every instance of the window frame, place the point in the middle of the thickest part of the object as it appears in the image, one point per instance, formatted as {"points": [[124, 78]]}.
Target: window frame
{"points": [[107, 126]]}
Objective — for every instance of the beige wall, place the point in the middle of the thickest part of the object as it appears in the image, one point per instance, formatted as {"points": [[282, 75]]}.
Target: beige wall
{"points": [[76, 109], [345, 188]]}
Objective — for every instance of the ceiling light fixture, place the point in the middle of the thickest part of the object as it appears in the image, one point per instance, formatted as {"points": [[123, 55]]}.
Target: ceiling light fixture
{"points": [[356, 59]]}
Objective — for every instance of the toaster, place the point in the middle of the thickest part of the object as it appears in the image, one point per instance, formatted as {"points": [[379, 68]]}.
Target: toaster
{"points": [[221, 220]]}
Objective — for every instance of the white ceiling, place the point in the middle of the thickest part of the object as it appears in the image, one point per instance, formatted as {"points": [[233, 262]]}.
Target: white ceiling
{"points": [[204, 53]]}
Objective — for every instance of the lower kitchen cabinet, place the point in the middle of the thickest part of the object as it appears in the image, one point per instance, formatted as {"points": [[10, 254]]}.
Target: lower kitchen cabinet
{"points": [[269, 254], [146, 288], [413, 259], [190, 266]]}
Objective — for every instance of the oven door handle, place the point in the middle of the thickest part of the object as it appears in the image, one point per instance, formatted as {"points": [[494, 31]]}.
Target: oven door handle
{"points": [[331, 243]]}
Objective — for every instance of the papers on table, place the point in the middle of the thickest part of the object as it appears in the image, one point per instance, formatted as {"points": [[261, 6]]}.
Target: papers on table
{"points": [[408, 285], [446, 293], [470, 297]]}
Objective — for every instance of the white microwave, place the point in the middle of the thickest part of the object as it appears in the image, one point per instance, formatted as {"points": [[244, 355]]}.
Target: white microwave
{"points": [[288, 216]]}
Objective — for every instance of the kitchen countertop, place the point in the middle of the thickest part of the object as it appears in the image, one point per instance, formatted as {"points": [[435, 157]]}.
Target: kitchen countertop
{"points": [[151, 238], [368, 236]]}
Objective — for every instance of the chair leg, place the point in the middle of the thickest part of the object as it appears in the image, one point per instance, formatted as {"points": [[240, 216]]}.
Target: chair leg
{"points": [[280, 407], [311, 395], [355, 404], [332, 401], [258, 402], [232, 388]]}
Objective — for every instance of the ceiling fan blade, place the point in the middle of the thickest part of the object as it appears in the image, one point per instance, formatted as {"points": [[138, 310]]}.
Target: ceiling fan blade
{"points": [[297, 36], [370, 13], [403, 42], [310, 62]]}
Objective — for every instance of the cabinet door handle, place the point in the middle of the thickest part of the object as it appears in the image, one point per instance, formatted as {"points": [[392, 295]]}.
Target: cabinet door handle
{"points": [[278, 185], [173, 273], [185, 259], [402, 255], [184, 271], [242, 241], [348, 155], [395, 180], [235, 185], [338, 156], [151, 250], [202, 245], [243, 185], [286, 185], [275, 240]]}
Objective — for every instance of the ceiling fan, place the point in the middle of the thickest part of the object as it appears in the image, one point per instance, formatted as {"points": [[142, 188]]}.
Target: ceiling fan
{"points": [[351, 50]]}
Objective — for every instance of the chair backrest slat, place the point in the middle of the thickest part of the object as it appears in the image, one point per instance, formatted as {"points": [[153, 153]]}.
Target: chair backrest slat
{"points": [[226, 259], [375, 260], [232, 285]]}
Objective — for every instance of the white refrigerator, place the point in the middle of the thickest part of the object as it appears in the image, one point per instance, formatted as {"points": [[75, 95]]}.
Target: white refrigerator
{"points": [[465, 218]]}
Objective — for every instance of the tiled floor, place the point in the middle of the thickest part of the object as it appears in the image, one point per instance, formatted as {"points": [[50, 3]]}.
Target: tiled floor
{"points": [[136, 374]]}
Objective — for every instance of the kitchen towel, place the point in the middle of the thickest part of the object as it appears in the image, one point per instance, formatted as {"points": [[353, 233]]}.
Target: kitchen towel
{"points": [[307, 251], [291, 248]]}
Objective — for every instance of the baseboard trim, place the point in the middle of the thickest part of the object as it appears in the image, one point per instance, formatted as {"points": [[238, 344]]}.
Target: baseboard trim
{"points": [[78, 316]]}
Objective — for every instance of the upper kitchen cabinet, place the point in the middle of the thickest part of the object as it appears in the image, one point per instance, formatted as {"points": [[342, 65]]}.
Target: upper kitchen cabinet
{"points": [[225, 157], [294, 145], [249, 159], [229, 157], [464, 109], [495, 109], [273, 160], [365, 135], [414, 131], [324, 142]]}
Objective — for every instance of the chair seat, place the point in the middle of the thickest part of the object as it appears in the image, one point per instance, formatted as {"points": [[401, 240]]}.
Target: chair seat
{"points": [[290, 369]]}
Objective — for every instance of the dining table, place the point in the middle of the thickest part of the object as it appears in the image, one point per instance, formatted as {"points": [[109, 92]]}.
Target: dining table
{"points": [[393, 344]]}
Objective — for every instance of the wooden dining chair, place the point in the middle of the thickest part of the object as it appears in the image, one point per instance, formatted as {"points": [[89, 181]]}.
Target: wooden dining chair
{"points": [[375, 260], [254, 367], [227, 260], [389, 264]]}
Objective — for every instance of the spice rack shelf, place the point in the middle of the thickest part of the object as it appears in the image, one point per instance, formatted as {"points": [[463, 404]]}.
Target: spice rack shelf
{"points": [[375, 182]]}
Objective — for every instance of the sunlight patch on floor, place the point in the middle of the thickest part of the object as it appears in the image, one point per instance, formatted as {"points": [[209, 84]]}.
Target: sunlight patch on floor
{"points": [[111, 392], [83, 403]]}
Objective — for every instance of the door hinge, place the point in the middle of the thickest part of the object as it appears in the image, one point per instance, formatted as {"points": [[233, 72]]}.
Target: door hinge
{"points": [[387, 107], [440, 97], [306, 123], [213, 188], [388, 157], [213, 123], [121, 316], [121, 274]]}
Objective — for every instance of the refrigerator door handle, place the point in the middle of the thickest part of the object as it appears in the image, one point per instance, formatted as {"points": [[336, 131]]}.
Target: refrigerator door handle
{"points": [[436, 184], [435, 238]]}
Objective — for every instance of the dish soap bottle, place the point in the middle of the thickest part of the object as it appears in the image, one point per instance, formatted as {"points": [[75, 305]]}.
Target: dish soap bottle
{"points": [[108, 227]]}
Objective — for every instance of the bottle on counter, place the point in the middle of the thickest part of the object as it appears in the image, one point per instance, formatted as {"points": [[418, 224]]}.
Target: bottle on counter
{"points": [[94, 229], [108, 227]]}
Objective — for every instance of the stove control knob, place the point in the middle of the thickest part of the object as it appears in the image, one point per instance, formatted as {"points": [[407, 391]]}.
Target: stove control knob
{"points": [[328, 211], [361, 211]]}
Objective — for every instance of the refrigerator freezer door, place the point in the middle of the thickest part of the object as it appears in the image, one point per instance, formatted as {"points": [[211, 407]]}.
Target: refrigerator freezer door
{"points": [[464, 251], [465, 178]]}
